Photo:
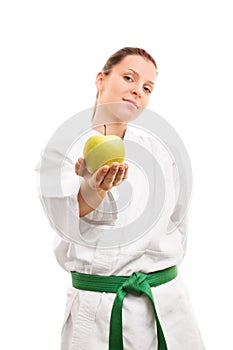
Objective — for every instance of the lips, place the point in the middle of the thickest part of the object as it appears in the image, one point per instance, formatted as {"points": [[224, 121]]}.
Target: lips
{"points": [[131, 101]]}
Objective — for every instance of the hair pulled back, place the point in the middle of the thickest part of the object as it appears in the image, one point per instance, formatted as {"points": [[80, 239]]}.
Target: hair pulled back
{"points": [[118, 56]]}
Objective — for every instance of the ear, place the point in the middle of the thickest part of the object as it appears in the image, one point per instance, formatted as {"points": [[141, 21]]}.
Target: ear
{"points": [[99, 81]]}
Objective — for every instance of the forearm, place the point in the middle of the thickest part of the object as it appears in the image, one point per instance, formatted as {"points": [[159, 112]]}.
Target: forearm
{"points": [[89, 199]]}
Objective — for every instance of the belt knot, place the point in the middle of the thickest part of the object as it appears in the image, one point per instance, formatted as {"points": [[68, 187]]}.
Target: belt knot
{"points": [[133, 283]]}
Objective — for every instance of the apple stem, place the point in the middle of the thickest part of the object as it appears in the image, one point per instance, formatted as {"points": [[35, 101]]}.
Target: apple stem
{"points": [[105, 130]]}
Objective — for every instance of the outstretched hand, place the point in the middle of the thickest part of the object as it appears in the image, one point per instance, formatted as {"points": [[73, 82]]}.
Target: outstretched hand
{"points": [[106, 177]]}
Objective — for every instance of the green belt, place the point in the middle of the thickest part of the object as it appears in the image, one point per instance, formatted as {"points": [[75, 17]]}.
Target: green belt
{"points": [[136, 284]]}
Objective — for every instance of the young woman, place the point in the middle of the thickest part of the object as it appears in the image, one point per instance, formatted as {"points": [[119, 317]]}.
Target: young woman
{"points": [[126, 291]]}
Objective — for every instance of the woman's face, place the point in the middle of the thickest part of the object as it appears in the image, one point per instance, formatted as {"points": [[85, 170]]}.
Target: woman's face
{"points": [[125, 92]]}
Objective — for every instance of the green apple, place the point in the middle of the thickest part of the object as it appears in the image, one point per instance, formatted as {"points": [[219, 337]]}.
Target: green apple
{"points": [[103, 150]]}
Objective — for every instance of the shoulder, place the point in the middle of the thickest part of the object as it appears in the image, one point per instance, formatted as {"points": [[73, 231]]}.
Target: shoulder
{"points": [[152, 142]]}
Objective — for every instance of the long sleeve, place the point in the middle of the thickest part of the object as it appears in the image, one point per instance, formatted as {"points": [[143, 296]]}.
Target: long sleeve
{"points": [[58, 187]]}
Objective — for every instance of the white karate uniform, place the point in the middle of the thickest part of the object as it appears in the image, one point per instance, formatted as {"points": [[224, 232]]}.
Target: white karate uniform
{"points": [[80, 245]]}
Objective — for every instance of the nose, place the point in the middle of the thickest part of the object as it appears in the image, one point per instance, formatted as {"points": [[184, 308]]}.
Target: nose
{"points": [[137, 90]]}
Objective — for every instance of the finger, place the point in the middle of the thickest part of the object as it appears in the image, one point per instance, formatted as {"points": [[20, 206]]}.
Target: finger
{"points": [[100, 174], [125, 172], [122, 174], [110, 176], [108, 180], [77, 166], [119, 175], [80, 167]]}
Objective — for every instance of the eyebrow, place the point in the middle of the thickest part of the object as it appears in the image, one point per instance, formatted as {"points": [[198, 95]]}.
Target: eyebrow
{"points": [[136, 73]]}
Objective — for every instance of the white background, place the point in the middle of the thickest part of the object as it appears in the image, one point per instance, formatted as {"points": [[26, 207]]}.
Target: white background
{"points": [[50, 54]]}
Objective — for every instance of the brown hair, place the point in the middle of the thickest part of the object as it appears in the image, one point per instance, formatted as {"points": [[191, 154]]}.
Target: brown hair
{"points": [[117, 57]]}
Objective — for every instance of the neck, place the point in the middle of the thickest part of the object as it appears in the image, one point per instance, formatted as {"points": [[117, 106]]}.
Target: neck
{"points": [[113, 126], [118, 130]]}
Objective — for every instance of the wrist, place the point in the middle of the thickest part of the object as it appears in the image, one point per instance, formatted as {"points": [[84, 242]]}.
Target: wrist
{"points": [[92, 196]]}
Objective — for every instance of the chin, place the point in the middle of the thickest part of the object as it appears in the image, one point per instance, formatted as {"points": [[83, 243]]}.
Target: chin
{"points": [[124, 112]]}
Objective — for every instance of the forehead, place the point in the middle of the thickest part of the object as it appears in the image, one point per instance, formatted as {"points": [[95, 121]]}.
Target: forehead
{"points": [[144, 67]]}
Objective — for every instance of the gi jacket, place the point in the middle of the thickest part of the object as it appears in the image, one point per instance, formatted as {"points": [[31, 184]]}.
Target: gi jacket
{"points": [[139, 226]]}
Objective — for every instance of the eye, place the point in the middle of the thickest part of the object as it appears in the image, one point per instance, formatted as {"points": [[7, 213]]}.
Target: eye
{"points": [[147, 89], [128, 78]]}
